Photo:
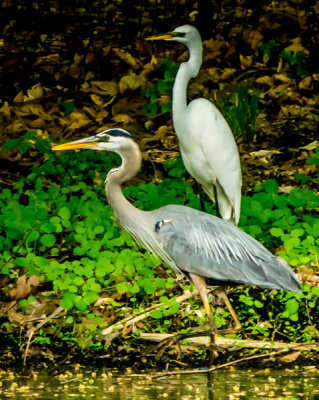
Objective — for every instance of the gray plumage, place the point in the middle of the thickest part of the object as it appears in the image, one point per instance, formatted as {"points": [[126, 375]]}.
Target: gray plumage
{"points": [[186, 239], [207, 246]]}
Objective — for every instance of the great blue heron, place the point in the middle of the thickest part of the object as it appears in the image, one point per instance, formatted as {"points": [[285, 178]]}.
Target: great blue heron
{"points": [[206, 142], [200, 245]]}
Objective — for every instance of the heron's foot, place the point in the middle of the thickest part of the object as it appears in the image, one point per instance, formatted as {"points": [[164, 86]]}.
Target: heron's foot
{"points": [[166, 343], [233, 330], [163, 346]]}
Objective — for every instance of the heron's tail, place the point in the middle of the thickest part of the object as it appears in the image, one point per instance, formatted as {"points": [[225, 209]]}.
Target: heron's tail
{"points": [[281, 276]]}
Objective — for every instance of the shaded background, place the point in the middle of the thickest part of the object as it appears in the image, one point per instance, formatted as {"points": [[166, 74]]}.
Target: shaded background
{"points": [[71, 68]]}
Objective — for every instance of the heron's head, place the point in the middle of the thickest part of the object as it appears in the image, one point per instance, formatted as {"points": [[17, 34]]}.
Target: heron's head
{"points": [[116, 140], [185, 34]]}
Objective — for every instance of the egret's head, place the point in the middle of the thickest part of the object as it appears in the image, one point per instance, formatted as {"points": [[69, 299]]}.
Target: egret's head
{"points": [[115, 139], [185, 34]]}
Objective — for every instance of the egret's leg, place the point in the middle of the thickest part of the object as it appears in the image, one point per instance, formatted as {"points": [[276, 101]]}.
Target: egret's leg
{"points": [[216, 202]]}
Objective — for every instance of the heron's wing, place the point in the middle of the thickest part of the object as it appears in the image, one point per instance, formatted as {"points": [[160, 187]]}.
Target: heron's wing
{"points": [[208, 246]]}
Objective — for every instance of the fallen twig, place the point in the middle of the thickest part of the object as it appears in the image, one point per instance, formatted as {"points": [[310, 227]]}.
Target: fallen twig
{"points": [[131, 320], [205, 371], [239, 343], [34, 329]]}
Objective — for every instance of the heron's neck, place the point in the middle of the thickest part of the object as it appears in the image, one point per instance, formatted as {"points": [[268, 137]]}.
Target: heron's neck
{"points": [[131, 162], [186, 71]]}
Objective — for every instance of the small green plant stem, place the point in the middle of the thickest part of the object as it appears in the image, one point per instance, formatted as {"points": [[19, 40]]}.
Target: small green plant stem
{"points": [[20, 245]]}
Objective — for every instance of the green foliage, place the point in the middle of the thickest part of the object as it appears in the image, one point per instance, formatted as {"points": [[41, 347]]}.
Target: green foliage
{"points": [[55, 223], [315, 159], [284, 220], [172, 307], [159, 95], [267, 49], [285, 313], [297, 63], [28, 141], [241, 110], [68, 106], [64, 232]]}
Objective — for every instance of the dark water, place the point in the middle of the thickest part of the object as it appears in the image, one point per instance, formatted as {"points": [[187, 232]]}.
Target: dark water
{"points": [[80, 382]]}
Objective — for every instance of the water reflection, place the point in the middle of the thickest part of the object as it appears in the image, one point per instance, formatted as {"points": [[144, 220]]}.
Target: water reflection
{"points": [[82, 382]]}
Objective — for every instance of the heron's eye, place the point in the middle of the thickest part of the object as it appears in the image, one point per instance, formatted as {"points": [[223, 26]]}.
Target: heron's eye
{"points": [[104, 138]]}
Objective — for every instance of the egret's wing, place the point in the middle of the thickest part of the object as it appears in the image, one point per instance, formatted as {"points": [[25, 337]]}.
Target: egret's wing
{"points": [[220, 154], [213, 248]]}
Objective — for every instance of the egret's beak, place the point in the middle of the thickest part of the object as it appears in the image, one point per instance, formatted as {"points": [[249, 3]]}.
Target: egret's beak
{"points": [[164, 36], [86, 143]]}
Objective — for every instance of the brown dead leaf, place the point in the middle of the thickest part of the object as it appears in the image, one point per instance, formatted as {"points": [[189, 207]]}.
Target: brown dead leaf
{"points": [[101, 88], [90, 57], [89, 323], [308, 271], [296, 46], [48, 59], [16, 317], [291, 357], [227, 73], [159, 136], [20, 291], [311, 146], [265, 80], [74, 70], [127, 329], [97, 99], [285, 189], [264, 155], [100, 116], [5, 110], [28, 109], [245, 61], [212, 48], [306, 83], [282, 77], [102, 301], [122, 118], [253, 37], [164, 99], [36, 92], [110, 337], [278, 91], [106, 87], [132, 81], [150, 66], [128, 58], [24, 287], [76, 120]]}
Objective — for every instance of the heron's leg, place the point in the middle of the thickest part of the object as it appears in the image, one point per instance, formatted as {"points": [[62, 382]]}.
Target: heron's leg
{"points": [[226, 301], [200, 285]]}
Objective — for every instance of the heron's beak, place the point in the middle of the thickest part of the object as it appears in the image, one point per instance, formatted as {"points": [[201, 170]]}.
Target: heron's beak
{"points": [[163, 36], [86, 143]]}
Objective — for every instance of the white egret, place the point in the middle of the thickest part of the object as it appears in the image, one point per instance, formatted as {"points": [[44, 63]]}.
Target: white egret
{"points": [[206, 142]]}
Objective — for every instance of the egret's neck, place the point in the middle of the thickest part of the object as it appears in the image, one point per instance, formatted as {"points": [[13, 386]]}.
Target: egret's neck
{"points": [[186, 71], [131, 162]]}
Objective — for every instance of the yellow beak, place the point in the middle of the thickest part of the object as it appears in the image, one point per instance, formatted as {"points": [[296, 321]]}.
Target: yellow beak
{"points": [[162, 36], [78, 144]]}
